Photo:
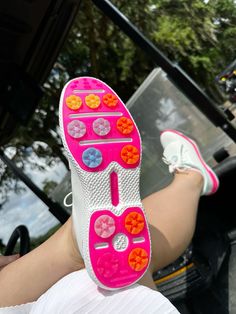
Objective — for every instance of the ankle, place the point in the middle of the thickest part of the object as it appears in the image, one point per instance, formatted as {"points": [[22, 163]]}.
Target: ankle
{"points": [[75, 258], [192, 177]]}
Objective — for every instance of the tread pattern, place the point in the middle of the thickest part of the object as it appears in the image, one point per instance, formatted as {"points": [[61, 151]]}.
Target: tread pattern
{"points": [[105, 144]]}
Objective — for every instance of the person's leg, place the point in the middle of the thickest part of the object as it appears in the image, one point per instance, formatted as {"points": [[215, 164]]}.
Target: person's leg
{"points": [[5, 260], [27, 278], [172, 213]]}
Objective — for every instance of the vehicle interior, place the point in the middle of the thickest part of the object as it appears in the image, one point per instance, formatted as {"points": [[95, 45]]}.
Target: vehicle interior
{"points": [[32, 34]]}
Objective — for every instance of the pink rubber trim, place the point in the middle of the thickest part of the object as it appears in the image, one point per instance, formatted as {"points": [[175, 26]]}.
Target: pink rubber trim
{"points": [[111, 266], [208, 169], [109, 145], [114, 189]]}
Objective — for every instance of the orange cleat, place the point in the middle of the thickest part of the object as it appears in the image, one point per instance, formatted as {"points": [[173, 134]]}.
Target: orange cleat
{"points": [[73, 102], [92, 101], [134, 223], [130, 154], [138, 259], [110, 100], [125, 125]]}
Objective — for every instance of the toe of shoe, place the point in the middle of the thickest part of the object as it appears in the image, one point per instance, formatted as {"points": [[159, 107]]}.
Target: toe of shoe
{"points": [[167, 137], [212, 183]]}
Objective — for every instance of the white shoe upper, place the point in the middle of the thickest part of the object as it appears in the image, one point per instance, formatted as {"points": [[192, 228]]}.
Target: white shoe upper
{"points": [[182, 153], [79, 213]]}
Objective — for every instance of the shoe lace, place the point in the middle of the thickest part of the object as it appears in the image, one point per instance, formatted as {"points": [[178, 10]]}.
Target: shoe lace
{"points": [[181, 165], [65, 200]]}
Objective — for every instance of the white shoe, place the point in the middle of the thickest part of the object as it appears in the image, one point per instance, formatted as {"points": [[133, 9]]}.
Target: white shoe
{"points": [[104, 151], [181, 153]]}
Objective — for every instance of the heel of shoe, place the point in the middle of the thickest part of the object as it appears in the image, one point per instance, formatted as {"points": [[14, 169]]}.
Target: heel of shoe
{"points": [[119, 247]]}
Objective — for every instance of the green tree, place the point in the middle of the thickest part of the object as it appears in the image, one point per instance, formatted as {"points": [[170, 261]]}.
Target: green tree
{"points": [[199, 35]]}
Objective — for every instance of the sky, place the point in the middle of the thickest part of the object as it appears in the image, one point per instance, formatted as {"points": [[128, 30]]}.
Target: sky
{"points": [[26, 208]]}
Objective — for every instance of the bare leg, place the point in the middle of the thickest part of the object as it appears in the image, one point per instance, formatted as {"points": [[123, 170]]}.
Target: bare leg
{"points": [[31, 275], [171, 214]]}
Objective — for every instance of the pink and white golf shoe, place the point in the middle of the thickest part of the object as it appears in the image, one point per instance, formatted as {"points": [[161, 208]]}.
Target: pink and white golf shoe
{"points": [[104, 151], [181, 153]]}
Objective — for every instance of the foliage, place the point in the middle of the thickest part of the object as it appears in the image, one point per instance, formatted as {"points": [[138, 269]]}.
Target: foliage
{"points": [[49, 186], [197, 34]]}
